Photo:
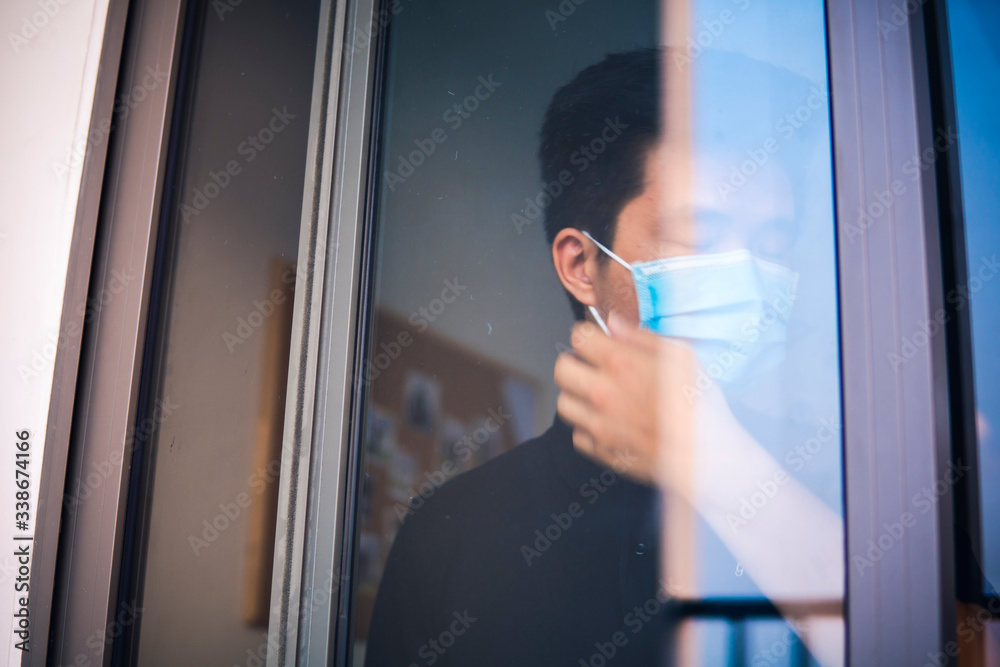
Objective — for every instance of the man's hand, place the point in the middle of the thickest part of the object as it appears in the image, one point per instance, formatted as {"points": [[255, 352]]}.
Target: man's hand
{"points": [[630, 399], [611, 394]]}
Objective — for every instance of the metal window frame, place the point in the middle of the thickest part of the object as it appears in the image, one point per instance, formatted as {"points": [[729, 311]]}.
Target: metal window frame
{"points": [[315, 453], [896, 421], [75, 573], [79, 552], [108, 396]]}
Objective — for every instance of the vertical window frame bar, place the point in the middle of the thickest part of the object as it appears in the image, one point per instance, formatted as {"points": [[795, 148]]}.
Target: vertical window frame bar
{"points": [[316, 444], [896, 422], [84, 571]]}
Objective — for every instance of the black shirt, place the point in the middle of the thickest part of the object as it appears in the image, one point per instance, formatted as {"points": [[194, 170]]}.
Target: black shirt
{"points": [[538, 557]]}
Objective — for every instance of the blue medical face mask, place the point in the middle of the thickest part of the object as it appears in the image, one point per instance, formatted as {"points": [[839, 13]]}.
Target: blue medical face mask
{"points": [[730, 307]]}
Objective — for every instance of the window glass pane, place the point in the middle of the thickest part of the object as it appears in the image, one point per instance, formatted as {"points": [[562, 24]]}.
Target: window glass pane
{"points": [[976, 64], [687, 498], [213, 435]]}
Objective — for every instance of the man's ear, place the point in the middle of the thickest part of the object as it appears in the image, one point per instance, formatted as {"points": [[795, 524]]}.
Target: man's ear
{"points": [[575, 259]]}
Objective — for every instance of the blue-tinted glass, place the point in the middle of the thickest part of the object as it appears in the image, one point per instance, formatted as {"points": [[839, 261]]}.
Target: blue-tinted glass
{"points": [[975, 54]]}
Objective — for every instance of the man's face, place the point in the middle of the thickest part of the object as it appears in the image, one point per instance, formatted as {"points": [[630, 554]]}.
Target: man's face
{"points": [[757, 216]]}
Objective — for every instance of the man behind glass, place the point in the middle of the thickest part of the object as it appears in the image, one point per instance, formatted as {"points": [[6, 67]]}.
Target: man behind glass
{"points": [[549, 554]]}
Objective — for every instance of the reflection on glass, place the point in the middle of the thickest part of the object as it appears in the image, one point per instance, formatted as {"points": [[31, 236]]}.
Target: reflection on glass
{"points": [[684, 505]]}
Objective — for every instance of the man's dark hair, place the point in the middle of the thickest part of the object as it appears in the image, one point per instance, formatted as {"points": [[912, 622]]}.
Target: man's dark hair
{"points": [[744, 106], [620, 93]]}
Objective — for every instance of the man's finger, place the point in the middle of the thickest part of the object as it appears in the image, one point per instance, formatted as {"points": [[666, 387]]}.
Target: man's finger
{"points": [[590, 343], [574, 376], [582, 332], [575, 411], [624, 331]]}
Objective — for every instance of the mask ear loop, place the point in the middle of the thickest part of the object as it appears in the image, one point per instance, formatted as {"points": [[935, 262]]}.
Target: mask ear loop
{"points": [[607, 250], [593, 310], [600, 320]]}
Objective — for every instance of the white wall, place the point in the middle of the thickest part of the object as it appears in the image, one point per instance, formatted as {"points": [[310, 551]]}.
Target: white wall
{"points": [[48, 72]]}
